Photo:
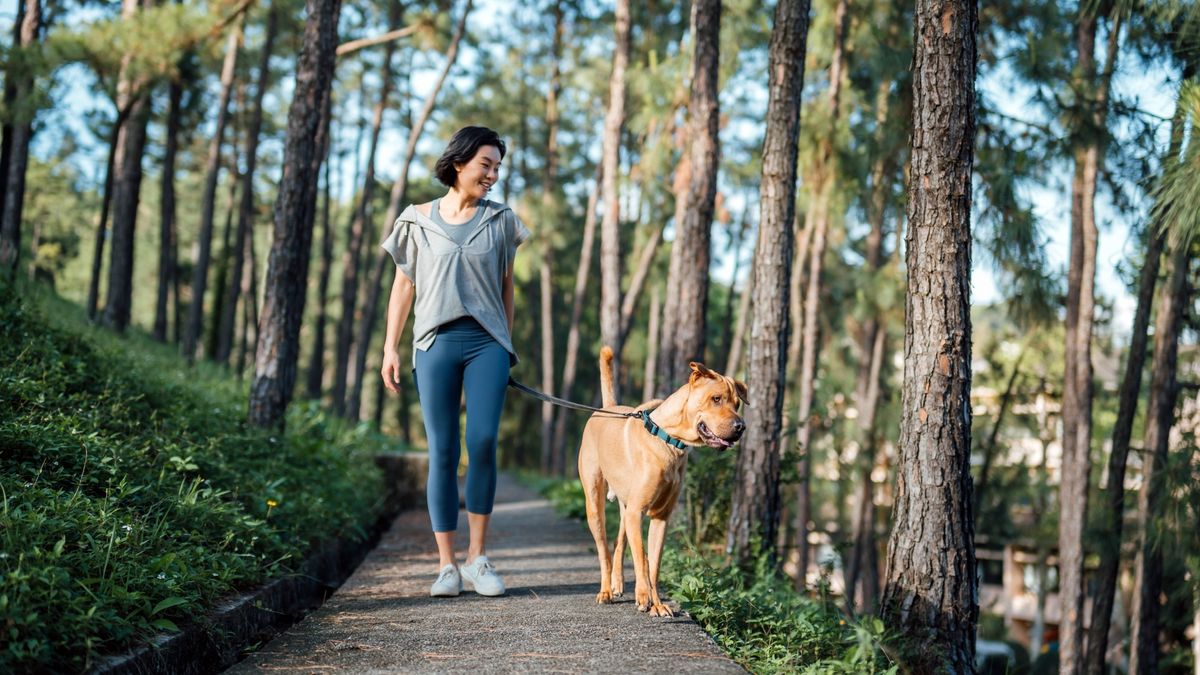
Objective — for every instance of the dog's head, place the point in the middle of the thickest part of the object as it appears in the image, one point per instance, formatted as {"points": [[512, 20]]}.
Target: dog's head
{"points": [[712, 407]]}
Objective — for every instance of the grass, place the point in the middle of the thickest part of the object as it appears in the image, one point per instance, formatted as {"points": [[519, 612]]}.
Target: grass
{"points": [[133, 495], [758, 619]]}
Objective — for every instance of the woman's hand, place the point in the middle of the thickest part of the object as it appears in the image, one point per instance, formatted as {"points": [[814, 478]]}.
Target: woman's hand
{"points": [[391, 370]]}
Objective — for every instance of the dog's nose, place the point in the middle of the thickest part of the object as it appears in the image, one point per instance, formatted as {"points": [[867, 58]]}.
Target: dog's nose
{"points": [[739, 426]]}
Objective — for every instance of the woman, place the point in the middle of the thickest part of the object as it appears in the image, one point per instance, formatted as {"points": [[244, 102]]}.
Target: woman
{"points": [[454, 258]]}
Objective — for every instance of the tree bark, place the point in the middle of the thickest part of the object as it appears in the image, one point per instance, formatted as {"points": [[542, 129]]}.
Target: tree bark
{"points": [[693, 236], [931, 592], [127, 185], [1174, 298], [168, 245], [549, 213], [1131, 383], [571, 359], [399, 190], [754, 514], [21, 128], [359, 230], [287, 268], [212, 171], [610, 227], [246, 208]]}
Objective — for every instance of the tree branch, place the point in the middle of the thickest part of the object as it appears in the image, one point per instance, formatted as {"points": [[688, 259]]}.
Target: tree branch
{"points": [[362, 43]]}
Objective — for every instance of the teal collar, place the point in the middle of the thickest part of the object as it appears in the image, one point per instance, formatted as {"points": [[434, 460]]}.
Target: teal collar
{"points": [[656, 430]]}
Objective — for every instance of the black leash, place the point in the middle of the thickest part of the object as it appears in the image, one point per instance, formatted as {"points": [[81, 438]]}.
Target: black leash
{"points": [[565, 403], [643, 415]]}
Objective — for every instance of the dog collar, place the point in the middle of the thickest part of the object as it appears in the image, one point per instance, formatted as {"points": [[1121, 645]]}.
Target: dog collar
{"points": [[656, 430]]}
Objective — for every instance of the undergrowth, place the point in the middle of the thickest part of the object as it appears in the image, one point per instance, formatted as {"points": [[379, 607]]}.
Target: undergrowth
{"points": [[134, 496]]}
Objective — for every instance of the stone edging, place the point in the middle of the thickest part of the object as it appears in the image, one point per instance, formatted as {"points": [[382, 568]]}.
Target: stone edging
{"points": [[215, 643]]}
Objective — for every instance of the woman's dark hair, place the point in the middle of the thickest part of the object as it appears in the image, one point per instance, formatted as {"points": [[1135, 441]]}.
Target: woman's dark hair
{"points": [[462, 148]]}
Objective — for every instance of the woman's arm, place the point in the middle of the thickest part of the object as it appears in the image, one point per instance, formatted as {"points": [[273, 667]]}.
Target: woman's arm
{"points": [[400, 303]]}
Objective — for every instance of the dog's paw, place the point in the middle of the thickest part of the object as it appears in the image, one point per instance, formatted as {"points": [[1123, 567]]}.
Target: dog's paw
{"points": [[604, 598], [661, 610], [642, 597], [618, 586]]}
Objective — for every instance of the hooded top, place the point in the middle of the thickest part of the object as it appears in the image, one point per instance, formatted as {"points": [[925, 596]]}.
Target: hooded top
{"points": [[455, 280]]}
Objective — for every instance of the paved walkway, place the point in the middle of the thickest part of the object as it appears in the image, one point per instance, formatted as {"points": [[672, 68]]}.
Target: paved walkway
{"points": [[383, 620]]}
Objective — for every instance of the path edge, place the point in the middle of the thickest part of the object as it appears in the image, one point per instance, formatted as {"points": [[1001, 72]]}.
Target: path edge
{"points": [[217, 641]]}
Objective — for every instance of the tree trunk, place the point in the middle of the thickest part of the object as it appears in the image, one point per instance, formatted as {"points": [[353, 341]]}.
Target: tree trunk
{"points": [[993, 443], [127, 185], [399, 189], [693, 236], [1174, 298], [1131, 383], [359, 230], [316, 361], [246, 208], [10, 99], [570, 361], [223, 280], [249, 306], [931, 595], [652, 340], [21, 131], [545, 271], [638, 283], [1077, 388], [733, 360], [287, 269], [212, 170], [610, 227], [755, 509], [823, 175], [168, 245]]}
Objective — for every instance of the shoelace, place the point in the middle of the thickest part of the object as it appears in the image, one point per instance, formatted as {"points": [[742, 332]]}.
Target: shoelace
{"points": [[445, 575], [486, 568]]}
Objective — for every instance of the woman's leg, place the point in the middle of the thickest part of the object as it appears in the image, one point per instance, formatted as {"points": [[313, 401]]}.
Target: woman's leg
{"points": [[439, 378], [485, 378]]}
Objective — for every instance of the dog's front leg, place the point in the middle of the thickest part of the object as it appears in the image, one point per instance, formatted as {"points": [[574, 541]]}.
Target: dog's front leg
{"points": [[632, 518], [618, 557], [658, 535]]}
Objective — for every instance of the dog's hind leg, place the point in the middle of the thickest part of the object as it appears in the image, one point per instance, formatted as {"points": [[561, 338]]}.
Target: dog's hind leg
{"points": [[593, 492], [618, 558], [658, 534], [632, 519]]}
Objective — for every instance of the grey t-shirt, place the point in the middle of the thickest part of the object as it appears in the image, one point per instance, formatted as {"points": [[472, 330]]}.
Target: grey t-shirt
{"points": [[457, 278]]}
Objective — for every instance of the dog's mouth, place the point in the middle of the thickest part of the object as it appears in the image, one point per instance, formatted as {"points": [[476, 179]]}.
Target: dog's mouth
{"points": [[712, 440]]}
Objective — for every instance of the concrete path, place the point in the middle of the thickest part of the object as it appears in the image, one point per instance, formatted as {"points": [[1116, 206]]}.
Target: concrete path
{"points": [[383, 620]]}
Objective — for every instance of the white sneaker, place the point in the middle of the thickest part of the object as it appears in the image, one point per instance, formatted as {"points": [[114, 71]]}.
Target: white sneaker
{"points": [[483, 578], [448, 584]]}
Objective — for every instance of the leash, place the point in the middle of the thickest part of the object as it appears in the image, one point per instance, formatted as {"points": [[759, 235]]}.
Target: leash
{"points": [[644, 415]]}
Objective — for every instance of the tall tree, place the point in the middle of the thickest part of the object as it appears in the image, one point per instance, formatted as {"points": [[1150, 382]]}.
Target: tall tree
{"points": [[610, 231], [295, 207], [316, 358], [130, 142], [212, 172], [1091, 111], [245, 216], [358, 231], [19, 131], [168, 238], [1131, 383], [546, 235], [687, 289], [366, 326], [822, 179], [755, 510], [1148, 586], [931, 593]]}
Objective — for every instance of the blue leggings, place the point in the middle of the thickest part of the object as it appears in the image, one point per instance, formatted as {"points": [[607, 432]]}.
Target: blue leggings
{"points": [[462, 354]]}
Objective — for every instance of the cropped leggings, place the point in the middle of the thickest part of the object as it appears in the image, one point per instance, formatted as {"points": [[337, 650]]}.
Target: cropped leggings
{"points": [[462, 355]]}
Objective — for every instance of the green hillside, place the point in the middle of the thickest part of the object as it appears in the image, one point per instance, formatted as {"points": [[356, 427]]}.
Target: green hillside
{"points": [[135, 497]]}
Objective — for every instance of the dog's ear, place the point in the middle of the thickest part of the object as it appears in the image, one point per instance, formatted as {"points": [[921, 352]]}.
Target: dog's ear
{"points": [[699, 370], [742, 391]]}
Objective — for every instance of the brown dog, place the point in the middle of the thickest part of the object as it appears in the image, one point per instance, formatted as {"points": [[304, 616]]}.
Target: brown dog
{"points": [[620, 458]]}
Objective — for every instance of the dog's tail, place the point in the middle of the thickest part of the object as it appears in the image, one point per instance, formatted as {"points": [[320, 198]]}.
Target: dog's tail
{"points": [[606, 377]]}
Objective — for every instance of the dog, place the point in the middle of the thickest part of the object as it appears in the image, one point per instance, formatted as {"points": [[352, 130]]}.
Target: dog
{"points": [[619, 457]]}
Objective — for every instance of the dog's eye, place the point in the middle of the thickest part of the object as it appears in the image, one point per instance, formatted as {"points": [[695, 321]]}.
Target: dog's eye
{"points": [[717, 400]]}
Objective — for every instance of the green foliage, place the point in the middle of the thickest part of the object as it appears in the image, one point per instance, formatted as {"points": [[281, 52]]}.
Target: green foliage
{"points": [[134, 496]]}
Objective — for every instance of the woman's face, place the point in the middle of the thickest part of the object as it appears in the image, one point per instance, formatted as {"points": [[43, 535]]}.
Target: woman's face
{"points": [[478, 176]]}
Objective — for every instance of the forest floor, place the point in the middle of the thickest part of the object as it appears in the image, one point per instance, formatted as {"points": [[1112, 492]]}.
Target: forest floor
{"points": [[382, 618]]}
